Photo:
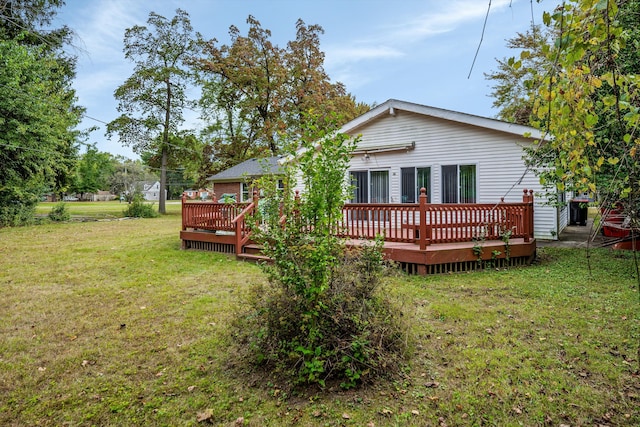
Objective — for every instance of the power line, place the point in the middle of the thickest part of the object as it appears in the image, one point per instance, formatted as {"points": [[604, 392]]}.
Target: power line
{"points": [[484, 27]]}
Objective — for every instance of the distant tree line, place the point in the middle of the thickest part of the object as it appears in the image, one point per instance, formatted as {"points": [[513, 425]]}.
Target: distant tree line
{"points": [[254, 95]]}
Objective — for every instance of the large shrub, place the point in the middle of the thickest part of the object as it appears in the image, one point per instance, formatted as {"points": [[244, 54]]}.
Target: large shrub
{"points": [[139, 208], [323, 314], [17, 207]]}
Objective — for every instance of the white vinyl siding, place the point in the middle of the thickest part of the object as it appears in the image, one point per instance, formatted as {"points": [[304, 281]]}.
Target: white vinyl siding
{"points": [[497, 156]]}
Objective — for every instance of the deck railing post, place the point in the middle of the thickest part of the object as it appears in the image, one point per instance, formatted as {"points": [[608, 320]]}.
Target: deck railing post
{"points": [[424, 240], [527, 217], [184, 217], [531, 225]]}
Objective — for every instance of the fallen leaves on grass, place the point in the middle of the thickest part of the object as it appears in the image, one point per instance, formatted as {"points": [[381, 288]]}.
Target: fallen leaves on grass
{"points": [[205, 415]]}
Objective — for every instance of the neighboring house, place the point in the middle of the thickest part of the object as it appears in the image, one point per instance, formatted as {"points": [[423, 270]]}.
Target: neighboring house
{"points": [[457, 157], [150, 190], [238, 179]]}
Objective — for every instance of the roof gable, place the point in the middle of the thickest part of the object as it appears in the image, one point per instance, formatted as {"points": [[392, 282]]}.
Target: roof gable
{"points": [[389, 108]]}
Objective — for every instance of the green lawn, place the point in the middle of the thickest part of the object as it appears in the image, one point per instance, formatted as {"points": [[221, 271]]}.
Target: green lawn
{"points": [[110, 323], [100, 210]]}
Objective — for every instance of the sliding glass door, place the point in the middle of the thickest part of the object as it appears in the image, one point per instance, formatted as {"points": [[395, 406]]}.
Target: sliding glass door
{"points": [[370, 186], [459, 184], [411, 181]]}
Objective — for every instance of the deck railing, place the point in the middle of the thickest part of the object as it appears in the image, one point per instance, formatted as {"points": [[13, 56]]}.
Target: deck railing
{"points": [[242, 231], [420, 223], [211, 216], [426, 224]]}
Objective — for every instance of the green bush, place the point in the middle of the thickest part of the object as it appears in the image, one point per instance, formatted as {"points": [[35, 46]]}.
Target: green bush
{"points": [[349, 333], [17, 214], [324, 315], [138, 208], [59, 213]]}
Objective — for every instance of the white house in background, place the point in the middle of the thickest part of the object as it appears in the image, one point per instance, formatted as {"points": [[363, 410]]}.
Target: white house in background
{"points": [[151, 190], [457, 157]]}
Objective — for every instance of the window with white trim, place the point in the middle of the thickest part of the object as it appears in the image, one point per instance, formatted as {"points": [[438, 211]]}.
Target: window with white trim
{"points": [[245, 192]]}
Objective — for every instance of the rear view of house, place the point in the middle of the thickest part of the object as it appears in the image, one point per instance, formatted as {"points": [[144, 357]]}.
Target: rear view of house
{"points": [[457, 157], [447, 191]]}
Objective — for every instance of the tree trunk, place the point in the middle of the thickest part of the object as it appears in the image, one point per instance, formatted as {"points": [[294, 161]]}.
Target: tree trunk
{"points": [[163, 182], [165, 140]]}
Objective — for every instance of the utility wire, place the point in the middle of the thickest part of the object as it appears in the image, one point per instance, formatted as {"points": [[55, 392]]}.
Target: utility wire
{"points": [[484, 27]]}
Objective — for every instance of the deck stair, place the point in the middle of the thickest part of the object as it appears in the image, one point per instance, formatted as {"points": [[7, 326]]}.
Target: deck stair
{"points": [[253, 253]]}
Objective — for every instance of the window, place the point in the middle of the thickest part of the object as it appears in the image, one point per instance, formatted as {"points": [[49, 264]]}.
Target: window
{"points": [[245, 192], [412, 180], [370, 186], [459, 184], [379, 186], [360, 183]]}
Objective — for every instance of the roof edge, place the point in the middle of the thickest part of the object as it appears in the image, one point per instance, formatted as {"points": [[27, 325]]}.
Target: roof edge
{"points": [[390, 106]]}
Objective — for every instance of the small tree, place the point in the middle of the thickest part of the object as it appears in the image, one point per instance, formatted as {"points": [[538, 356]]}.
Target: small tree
{"points": [[322, 316]]}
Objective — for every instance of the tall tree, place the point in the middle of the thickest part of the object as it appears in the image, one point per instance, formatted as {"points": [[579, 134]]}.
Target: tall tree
{"points": [[92, 172], [578, 82], [514, 80], [255, 92], [590, 103], [38, 115], [152, 100]]}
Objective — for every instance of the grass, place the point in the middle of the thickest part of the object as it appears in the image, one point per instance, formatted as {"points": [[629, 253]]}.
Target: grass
{"points": [[99, 210], [110, 323]]}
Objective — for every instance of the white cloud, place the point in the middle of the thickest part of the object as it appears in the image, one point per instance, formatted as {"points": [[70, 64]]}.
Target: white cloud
{"points": [[404, 37], [397, 38], [100, 28], [446, 17]]}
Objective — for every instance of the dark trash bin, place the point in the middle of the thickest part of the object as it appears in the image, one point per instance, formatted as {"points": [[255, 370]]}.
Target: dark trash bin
{"points": [[578, 212]]}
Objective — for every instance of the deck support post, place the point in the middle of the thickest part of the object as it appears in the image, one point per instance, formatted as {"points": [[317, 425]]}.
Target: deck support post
{"points": [[184, 219], [527, 198], [424, 239]]}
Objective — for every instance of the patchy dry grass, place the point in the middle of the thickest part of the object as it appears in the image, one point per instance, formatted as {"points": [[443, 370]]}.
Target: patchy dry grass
{"points": [[110, 323]]}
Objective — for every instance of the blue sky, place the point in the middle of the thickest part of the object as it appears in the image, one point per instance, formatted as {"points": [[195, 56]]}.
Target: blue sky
{"points": [[413, 50]]}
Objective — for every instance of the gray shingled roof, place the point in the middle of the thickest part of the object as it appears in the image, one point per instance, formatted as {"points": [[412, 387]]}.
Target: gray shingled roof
{"points": [[249, 168]]}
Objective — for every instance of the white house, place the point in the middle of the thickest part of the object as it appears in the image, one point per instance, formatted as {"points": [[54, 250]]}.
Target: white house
{"points": [[457, 157], [151, 190]]}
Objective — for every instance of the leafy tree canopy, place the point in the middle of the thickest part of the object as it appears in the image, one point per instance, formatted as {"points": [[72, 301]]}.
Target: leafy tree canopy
{"points": [[38, 115], [581, 86], [255, 92], [37, 118], [93, 171]]}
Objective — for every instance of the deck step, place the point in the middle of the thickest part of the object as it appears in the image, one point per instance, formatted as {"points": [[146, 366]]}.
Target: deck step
{"points": [[253, 258], [253, 249]]}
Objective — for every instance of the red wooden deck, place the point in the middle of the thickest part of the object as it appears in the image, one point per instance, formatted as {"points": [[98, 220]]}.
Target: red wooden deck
{"points": [[423, 238]]}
